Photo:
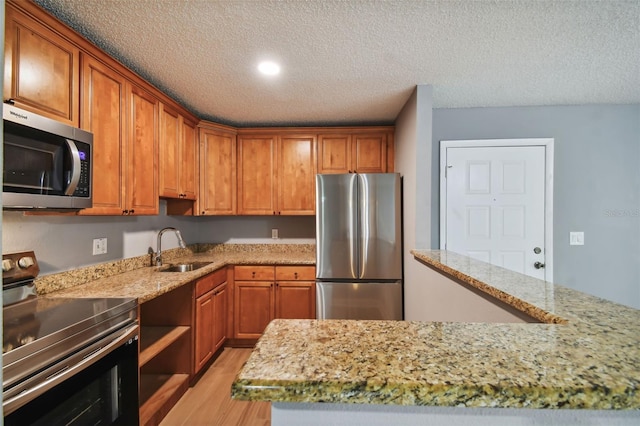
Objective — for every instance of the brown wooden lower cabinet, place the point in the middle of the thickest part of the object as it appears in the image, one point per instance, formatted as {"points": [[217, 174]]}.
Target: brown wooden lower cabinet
{"points": [[262, 293], [253, 308], [210, 325], [182, 330], [295, 299]]}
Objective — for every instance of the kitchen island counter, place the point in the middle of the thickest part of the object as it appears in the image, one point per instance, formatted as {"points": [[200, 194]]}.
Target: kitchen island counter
{"points": [[585, 356]]}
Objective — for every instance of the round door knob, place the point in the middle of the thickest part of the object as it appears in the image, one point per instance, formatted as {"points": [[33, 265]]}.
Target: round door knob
{"points": [[7, 265], [26, 262], [538, 265]]}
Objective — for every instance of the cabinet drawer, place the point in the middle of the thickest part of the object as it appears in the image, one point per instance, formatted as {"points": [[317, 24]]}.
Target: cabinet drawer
{"points": [[211, 281], [254, 273], [295, 273]]}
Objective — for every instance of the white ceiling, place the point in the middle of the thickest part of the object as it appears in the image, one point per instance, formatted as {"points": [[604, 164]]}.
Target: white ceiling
{"points": [[356, 62]]}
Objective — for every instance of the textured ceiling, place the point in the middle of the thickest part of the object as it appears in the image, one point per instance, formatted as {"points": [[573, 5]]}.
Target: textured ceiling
{"points": [[356, 62]]}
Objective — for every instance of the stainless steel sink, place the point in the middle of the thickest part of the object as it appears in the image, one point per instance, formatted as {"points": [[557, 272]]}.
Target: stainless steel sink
{"points": [[184, 267]]}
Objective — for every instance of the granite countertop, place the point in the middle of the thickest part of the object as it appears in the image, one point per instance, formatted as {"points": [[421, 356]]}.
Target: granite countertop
{"points": [[130, 278], [586, 355]]}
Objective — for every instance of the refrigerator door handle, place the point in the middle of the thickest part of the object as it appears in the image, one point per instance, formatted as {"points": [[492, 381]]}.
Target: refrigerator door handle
{"points": [[354, 243], [364, 226]]}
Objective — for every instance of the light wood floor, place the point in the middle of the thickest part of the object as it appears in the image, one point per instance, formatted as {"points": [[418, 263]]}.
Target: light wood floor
{"points": [[209, 401]]}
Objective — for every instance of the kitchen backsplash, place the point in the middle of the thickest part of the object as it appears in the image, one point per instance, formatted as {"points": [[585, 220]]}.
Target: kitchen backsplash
{"points": [[63, 243]]}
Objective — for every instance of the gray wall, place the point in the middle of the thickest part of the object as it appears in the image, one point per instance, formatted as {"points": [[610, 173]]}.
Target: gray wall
{"points": [[596, 186], [62, 242], [412, 157]]}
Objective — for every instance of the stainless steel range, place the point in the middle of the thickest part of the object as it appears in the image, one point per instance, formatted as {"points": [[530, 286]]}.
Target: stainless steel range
{"points": [[65, 361]]}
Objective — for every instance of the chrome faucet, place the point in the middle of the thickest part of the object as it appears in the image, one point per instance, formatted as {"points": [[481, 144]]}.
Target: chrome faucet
{"points": [[159, 251]]}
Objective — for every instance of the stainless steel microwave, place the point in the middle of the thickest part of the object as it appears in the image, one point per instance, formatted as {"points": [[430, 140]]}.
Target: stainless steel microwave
{"points": [[47, 164]]}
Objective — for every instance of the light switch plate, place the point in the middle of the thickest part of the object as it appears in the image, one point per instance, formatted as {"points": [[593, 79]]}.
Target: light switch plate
{"points": [[274, 233], [99, 246], [576, 238]]}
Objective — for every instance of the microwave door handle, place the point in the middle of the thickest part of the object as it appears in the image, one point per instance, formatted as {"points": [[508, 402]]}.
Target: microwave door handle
{"points": [[75, 169]]}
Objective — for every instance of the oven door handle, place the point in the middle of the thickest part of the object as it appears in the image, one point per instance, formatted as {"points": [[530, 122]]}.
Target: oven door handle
{"points": [[71, 367]]}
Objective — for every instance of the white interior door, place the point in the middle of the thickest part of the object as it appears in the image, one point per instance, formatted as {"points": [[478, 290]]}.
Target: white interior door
{"points": [[495, 205]]}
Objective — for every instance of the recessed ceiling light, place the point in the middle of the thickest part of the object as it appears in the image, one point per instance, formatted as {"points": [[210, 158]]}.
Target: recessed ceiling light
{"points": [[269, 68]]}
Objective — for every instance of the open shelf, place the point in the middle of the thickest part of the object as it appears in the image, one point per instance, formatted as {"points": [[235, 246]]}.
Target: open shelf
{"points": [[158, 394], [154, 339]]}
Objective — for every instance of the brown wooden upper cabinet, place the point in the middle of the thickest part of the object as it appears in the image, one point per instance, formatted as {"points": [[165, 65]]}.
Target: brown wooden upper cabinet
{"points": [[41, 69], [103, 114], [142, 153], [352, 153], [178, 155], [276, 174], [296, 175], [146, 145], [124, 121], [217, 171], [189, 160]]}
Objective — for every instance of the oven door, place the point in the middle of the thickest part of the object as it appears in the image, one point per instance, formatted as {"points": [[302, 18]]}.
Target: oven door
{"points": [[100, 389]]}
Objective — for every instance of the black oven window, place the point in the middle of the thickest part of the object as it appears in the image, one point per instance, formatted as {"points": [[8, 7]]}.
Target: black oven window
{"points": [[89, 406], [104, 394]]}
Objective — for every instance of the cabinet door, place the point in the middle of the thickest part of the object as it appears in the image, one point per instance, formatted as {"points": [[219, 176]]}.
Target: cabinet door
{"points": [[369, 153], [103, 114], [217, 173], [256, 175], [253, 308], [295, 299], [188, 161], [42, 69], [204, 331], [141, 160], [334, 154], [219, 316], [296, 175], [170, 136]]}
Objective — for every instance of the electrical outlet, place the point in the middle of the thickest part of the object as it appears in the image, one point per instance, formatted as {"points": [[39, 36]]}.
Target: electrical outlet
{"points": [[99, 246], [274, 233]]}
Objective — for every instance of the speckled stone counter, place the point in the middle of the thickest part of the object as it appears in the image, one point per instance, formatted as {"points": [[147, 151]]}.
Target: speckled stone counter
{"points": [[586, 356], [134, 278]]}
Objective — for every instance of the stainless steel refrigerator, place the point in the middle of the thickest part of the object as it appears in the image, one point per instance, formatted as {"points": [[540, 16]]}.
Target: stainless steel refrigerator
{"points": [[359, 246]]}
